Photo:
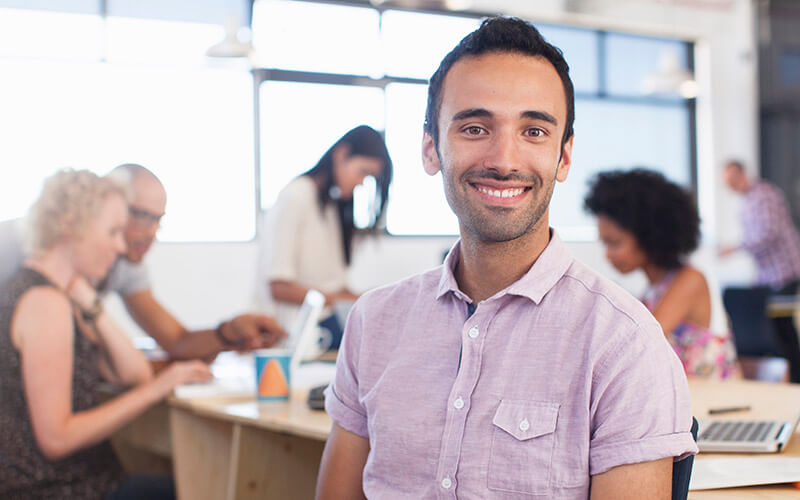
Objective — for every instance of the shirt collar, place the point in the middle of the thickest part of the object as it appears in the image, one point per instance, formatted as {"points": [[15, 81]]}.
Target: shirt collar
{"points": [[551, 265]]}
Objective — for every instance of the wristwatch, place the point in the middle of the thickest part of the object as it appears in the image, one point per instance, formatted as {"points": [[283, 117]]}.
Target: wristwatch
{"points": [[94, 310]]}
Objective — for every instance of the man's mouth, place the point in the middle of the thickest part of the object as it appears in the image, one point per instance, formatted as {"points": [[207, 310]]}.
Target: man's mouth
{"points": [[500, 194]]}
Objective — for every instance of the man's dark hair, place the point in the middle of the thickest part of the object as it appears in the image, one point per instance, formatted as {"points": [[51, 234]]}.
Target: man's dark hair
{"points": [[499, 35], [661, 215]]}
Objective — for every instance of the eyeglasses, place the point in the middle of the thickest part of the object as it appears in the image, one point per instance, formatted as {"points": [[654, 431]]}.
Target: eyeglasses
{"points": [[143, 218]]}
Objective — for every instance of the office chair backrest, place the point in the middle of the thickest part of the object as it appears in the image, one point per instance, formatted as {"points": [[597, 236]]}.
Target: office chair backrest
{"points": [[682, 471], [753, 332]]}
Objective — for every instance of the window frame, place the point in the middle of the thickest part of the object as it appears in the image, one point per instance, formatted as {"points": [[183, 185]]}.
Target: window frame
{"points": [[261, 75]]}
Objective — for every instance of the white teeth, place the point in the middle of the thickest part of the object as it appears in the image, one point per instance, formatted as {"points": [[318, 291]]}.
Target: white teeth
{"points": [[505, 193]]}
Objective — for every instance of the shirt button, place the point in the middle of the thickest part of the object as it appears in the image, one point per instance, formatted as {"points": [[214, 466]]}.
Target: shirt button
{"points": [[447, 483], [474, 332], [458, 403], [524, 425]]}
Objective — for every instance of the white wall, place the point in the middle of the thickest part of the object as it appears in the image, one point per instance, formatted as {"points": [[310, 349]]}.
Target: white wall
{"points": [[204, 283]]}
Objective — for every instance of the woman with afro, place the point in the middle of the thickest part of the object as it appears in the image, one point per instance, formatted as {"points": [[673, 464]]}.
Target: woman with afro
{"points": [[647, 222]]}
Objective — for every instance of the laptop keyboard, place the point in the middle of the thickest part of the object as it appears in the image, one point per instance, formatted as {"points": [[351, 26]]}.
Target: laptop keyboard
{"points": [[750, 430]]}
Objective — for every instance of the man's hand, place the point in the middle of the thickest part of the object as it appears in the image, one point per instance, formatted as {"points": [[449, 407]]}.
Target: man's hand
{"points": [[252, 331]]}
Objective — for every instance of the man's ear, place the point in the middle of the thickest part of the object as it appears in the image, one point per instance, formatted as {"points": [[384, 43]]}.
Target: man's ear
{"points": [[430, 159], [566, 160]]}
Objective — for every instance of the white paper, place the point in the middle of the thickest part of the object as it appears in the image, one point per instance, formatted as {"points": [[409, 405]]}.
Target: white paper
{"points": [[710, 473]]}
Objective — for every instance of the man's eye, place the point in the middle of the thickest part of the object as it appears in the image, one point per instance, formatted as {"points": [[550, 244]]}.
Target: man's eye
{"points": [[473, 130], [534, 132]]}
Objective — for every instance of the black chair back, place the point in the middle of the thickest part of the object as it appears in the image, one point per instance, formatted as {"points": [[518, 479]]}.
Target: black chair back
{"points": [[752, 330], [682, 471]]}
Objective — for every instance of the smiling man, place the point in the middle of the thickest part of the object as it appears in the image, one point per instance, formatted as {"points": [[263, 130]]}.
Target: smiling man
{"points": [[512, 371]]}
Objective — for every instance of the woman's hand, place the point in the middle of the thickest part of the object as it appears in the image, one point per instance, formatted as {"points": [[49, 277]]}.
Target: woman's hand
{"points": [[179, 373], [81, 292]]}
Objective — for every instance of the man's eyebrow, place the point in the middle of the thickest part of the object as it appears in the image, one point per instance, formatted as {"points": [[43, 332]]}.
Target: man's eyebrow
{"points": [[539, 115], [472, 113]]}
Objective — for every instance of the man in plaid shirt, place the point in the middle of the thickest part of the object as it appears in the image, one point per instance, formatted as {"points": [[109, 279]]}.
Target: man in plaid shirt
{"points": [[769, 235]]}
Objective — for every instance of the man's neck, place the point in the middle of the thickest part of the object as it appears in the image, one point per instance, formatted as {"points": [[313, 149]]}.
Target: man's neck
{"points": [[485, 268]]}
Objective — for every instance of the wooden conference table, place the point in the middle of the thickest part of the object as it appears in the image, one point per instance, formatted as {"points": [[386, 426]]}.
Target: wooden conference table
{"points": [[766, 401], [235, 448]]}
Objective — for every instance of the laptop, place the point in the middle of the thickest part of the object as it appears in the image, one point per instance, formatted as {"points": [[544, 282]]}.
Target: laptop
{"points": [[234, 373], [304, 334], [744, 436]]}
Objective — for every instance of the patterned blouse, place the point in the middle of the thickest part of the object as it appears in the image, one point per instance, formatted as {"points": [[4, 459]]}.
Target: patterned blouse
{"points": [[703, 353], [90, 473]]}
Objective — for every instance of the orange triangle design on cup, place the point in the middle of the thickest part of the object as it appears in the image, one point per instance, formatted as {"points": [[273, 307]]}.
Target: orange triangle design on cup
{"points": [[273, 381]]}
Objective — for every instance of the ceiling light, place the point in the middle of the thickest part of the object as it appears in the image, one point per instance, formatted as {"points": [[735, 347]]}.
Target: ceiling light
{"points": [[670, 78], [236, 42]]}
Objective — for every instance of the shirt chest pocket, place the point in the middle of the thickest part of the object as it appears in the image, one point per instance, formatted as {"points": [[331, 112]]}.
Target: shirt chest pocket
{"points": [[523, 438]]}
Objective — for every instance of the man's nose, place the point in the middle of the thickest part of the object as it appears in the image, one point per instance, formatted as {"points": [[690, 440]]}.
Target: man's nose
{"points": [[503, 155]]}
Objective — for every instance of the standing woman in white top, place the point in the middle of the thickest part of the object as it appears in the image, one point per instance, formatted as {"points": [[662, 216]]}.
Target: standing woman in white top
{"points": [[310, 229]]}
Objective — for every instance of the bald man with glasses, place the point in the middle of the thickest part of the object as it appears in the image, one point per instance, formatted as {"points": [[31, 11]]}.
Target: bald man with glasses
{"points": [[129, 278]]}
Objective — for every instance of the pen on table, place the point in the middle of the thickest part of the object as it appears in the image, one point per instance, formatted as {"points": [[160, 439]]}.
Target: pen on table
{"points": [[729, 409]]}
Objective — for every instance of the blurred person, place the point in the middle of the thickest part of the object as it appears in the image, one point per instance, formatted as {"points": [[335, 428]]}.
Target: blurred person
{"points": [[130, 279], [310, 229], [650, 224], [771, 238], [57, 344]]}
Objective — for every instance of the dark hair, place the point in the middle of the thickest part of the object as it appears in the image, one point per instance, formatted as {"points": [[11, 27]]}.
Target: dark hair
{"points": [[499, 35], [660, 214], [362, 141]]}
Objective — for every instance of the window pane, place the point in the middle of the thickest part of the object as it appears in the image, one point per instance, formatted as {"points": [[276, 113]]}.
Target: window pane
{"points": [[324, 38], [630, 60], [166, 42], [414, 44], [300, 121], [580, 50], [193, 11], [611, 135], [416, 204], [192, 128], [50, 35], [75, 6]]}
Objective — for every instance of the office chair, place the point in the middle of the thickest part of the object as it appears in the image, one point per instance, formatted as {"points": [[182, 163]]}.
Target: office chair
{"points": [[753, 333], [682, 471]]}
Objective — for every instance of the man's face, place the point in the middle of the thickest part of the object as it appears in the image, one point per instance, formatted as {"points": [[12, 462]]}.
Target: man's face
{"points": [[146, 210], [735, 178], [501, 122]]}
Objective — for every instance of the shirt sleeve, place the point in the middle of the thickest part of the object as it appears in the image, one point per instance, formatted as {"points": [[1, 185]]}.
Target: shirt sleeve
{"points": [[286, 224], [127, 278], [640, 408], [762, 219], [342, 396]]}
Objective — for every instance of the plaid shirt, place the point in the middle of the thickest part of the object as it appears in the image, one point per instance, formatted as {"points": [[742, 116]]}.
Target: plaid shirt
{"points": [[770, 235]]}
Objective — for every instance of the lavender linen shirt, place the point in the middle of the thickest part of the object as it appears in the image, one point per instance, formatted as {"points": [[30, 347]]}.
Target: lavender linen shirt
{"points": [[770, 236], [560, 376]]}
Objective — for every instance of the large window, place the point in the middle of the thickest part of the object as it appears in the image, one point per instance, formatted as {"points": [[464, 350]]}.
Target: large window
{"points": [[619, 123], [90, 89], [83, 91]]}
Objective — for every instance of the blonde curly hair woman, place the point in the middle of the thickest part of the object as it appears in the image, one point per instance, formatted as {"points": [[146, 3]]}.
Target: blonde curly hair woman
{"points": [[57, 344]]}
